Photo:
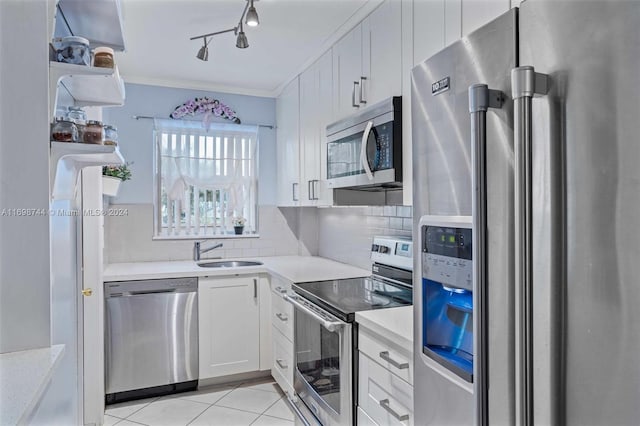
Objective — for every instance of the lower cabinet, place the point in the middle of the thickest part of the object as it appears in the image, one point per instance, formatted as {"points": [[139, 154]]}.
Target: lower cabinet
{"points": [[282, 336], [228, 325], [385, 395]]}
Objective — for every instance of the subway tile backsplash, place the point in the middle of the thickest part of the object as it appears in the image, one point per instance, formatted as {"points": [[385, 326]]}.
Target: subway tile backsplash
{"points": [[345, 234]]}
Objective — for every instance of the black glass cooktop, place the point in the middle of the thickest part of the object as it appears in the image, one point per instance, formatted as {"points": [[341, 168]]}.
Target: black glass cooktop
{"points": [[343, 298]]}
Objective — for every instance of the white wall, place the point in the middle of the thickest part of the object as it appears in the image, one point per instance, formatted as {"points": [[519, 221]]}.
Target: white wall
{"points": [[24, 175], [136, 136]]}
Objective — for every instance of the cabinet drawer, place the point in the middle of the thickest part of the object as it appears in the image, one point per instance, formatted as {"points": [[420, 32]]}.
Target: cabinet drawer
{"points": [[386, 398], [364, 419], [393, 357], [282, 367], [279, 286], [282, 316]]}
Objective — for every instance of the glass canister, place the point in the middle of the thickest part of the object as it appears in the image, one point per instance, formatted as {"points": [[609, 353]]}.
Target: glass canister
{"points": [[63, 130], [93, 133], [73, 50], [110, 135], [79, 117], [103, 57]]}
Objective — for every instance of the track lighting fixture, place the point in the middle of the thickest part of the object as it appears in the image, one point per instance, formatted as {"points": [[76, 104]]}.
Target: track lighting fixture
{"points": [[241, 41], [252, 16], [203, 53], [249, 15]]}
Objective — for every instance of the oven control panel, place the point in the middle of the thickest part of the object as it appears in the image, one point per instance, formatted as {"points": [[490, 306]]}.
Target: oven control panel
{"points": [[393, 251]]}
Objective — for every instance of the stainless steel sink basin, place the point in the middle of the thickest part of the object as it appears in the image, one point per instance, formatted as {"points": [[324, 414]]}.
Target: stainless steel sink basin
{"points": [[229, 264]]}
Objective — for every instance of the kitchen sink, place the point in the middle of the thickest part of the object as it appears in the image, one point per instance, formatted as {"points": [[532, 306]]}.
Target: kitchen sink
{"points": [[229, 264]]}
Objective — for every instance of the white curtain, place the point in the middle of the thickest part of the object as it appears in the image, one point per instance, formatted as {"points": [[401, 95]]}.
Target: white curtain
{"points": [[221, 160]]}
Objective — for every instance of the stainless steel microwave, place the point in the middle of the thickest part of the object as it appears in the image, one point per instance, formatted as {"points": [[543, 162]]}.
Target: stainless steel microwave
{"points": [[364, 151]]}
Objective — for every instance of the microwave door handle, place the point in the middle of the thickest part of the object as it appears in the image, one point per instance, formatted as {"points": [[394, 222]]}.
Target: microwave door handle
{"points": [[525, 84], [363, 150]]}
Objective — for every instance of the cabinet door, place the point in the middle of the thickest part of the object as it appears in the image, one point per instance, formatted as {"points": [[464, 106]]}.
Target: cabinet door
{"points": [[309, 134], [288, 137], [323, 193], [229, 325], [476, 13], [347, 70], [382, 53], [428, 29]]}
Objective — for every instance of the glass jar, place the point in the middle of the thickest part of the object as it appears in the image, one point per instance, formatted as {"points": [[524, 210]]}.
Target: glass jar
{"points": [[103, 57], [93, 133], [77, 115], [110, 135], [73, 50], [63, 130]]}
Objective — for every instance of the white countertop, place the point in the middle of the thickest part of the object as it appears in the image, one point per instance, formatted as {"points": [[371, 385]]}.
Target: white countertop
{"points": [[24, 376], [296, 269], [394, 324]]}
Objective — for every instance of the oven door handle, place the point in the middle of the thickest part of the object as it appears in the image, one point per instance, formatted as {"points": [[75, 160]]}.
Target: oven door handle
{"points": [[363, 150], [329, 325]]}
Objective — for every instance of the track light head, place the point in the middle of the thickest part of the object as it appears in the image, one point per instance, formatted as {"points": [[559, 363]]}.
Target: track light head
{"points": [[203, 53], [252, 16], [241, 41]]}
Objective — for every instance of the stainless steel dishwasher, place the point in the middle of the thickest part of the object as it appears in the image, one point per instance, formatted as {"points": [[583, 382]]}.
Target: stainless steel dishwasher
{"points": [[151, 338]]}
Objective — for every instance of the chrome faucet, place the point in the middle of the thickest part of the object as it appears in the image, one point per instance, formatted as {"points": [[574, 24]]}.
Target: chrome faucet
{"points": [[197, 251]]}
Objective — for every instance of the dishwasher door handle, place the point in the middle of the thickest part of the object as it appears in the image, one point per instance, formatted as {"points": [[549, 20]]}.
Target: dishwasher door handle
{"points": [[136, 293]]}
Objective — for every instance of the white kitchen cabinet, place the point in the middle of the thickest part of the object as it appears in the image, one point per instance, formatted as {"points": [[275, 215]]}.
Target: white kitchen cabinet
{"points": [[382, 53], [367, 62], [452, 21], [385, 381], [476, 13], [347, 73], [228, 325], [288, 145], [315, 114], [428, 29], [282, 321]]}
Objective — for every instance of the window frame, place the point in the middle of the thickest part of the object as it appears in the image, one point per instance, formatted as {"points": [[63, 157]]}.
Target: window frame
{"points": [[157, 192]]}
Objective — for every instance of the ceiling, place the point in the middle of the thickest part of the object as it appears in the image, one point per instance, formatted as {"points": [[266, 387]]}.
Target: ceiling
{"points": [[291, 34]]}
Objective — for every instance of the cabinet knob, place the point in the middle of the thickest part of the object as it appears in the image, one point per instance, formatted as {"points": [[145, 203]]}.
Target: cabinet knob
{"points": [[87, 292]]}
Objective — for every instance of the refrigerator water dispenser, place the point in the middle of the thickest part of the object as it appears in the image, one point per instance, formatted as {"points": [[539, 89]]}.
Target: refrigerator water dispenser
{"points": [[447, 294]]}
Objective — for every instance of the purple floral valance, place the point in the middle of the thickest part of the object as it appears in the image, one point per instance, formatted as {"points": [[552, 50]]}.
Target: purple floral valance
{"points": [[207, 106]]}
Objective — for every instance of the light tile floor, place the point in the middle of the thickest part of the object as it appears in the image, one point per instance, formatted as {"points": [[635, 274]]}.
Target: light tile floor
{"points": [[256, 403]]}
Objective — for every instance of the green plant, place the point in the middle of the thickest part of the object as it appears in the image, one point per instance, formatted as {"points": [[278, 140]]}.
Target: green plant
{"points": [[122, 172], [238, 221]]}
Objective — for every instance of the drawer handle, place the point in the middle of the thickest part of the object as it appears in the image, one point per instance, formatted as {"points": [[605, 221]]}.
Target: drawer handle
{"points": [[385, 404], [282, 364], [281, 290], [282, 317], [399, 365]]}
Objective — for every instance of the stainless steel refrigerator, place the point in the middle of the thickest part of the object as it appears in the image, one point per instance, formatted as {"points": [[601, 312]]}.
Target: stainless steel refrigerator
{"points": [[526, 134]]}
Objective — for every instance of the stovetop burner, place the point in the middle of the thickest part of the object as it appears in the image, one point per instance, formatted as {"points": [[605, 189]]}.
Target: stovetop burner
{"points": [[343, 298]]}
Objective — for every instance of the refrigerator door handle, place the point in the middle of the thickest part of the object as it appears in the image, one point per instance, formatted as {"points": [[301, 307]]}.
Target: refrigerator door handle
{"points": [[525, 84], [481, 98]]}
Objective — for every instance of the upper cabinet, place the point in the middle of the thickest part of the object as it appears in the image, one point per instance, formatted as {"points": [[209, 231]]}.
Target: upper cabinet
{"points": [[347, 73], [315, 113], [367, 62], [288, 145], [382, 53], [100, 22]]}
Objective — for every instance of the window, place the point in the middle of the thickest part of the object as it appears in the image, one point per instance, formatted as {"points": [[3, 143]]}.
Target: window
{"points": [[204, 179]]}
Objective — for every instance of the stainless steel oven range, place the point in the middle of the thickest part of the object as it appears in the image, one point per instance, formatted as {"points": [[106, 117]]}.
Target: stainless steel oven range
{"points": [[325, 339]]}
